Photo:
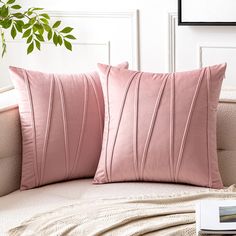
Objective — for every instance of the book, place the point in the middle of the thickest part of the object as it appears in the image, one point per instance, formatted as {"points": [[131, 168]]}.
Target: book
{"points": [[216, 217]]}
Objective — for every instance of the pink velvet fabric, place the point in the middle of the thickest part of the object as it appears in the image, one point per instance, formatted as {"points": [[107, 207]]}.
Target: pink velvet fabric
{"points": [[160, 127], [62, 118]]}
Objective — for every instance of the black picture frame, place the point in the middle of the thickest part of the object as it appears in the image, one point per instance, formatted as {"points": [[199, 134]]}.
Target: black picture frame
{"points": [[200, 23]]}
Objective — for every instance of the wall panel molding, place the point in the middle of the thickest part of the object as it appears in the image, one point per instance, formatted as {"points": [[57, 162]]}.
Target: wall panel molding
{"points": [[228, 92], [132, 15], [202, 46], [172, 22]]}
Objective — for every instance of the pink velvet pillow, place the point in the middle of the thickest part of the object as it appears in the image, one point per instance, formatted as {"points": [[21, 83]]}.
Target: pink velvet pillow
{"points": [[160, 127], [62, 118]]}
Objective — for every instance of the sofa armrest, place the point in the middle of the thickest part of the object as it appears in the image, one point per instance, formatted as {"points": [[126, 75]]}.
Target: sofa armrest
{"points": [[10, 143]]}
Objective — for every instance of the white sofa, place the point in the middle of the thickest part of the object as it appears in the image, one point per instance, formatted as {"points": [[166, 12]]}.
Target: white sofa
{"points": [[16, 206]]}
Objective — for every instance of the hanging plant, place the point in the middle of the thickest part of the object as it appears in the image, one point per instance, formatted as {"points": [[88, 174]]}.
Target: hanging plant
{"points": [[34, 25]]}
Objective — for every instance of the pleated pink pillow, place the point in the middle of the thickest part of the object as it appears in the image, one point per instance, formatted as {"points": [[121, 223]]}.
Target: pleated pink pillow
{"points": [[160, 127], [62, 118]]}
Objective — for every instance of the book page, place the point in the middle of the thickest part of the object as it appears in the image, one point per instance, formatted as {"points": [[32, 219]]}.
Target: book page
{"points": [[218, 215]]}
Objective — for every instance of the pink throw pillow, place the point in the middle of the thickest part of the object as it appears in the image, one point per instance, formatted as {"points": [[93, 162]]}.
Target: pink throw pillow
{"points": [[160, 127], [62, 118]]}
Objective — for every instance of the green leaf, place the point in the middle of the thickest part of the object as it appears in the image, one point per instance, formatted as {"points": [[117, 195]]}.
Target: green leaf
{"points": [[18, 15], [20, 22], [32, 20], [18, 27], [39, 37], [39, 28], [49, 35], [4, 11], [68, 45], [4, 50], [70, 36], [38, 45], [56, 24], [10, 1], [34, 29], [30, 48], [37, 8], [60, 40], [16, 7], [29, 40], [55, 39], [26, 26], [66, 30], [29, 13], [6, 23], [27, 33], [13, 32], [44, 21], [45, 16], [47, 27]]}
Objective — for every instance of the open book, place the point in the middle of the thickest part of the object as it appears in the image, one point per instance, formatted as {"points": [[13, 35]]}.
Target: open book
{"points": [[216, 217]]}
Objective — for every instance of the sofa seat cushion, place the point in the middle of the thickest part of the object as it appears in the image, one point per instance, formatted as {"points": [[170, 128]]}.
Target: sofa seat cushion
{"points": [[19, 206]]}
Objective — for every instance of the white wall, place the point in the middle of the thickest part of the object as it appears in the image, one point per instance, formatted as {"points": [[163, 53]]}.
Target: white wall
{"points": [[164, 46], [153, 23]]}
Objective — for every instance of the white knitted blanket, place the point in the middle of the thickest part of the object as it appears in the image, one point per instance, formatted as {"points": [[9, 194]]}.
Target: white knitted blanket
{"points": [[143, 215]]}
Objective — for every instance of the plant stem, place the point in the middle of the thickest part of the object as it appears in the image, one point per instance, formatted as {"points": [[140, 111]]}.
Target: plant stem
{"points": [[4, 46]]}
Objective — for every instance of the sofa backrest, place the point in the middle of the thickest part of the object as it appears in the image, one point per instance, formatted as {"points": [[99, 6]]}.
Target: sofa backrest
{"points": [[10, 142], [226, 141]]}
